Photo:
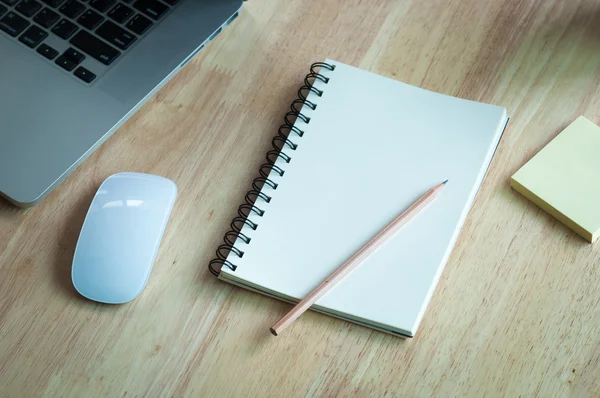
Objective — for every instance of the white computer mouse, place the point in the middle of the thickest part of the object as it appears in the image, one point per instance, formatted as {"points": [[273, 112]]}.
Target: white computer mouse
{"points": [[121, 235]]}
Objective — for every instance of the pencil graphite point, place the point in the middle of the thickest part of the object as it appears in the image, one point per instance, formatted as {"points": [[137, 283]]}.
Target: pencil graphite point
{"points": [[444, 183]]}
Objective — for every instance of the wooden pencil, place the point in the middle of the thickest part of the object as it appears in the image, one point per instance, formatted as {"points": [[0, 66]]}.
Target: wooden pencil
{"points": [[357, 259]]}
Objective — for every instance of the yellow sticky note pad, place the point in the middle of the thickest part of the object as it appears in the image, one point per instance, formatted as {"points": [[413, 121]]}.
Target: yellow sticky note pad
{"points": [[564, 178]]}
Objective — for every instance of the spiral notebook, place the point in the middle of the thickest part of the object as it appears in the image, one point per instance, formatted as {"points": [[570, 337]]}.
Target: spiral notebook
{"points": [[356, 150]]}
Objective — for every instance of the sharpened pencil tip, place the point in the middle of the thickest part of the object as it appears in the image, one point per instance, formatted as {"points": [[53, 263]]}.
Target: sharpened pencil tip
{"points": [[444, 183]]}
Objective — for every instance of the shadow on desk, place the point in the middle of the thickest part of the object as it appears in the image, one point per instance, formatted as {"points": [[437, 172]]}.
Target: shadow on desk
{"points": [[546, 43], [67, 241], [11, 217]]}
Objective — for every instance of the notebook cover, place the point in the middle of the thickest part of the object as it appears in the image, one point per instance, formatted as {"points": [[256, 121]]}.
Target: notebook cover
{"points": [[370, 148]]}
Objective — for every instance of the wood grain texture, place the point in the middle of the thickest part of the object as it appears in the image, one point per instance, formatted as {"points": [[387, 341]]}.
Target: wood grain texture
{"points": [[516, 311]]}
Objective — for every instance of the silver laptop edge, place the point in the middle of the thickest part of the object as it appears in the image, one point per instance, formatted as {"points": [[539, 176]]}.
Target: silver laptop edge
{"points": [[50, 122]]}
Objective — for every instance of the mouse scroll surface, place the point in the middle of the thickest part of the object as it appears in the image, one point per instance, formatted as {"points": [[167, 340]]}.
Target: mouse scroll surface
{"points": [[121, 235]]}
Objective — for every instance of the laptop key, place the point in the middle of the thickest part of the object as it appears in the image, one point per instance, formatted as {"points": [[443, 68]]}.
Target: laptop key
{"points": [[66, 63], [120, 13], [84, 74], [95, 47], [53, 3], [46, 18], [171, 2], [2, 10], [10, 2], [70, 59], [28, 7], [74, 55], [101, 5], [33, 36], [90, 19], [64, 29], [115, 35], [72, 9], [139, 24], [47, 51], [13, 24], [153, 8]]}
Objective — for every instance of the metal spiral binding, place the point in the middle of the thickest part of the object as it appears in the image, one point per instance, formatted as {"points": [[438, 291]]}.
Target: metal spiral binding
{"points": [[280, 142]]}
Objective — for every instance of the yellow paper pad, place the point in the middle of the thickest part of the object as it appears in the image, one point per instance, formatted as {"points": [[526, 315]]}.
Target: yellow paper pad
{"points": [[564, 178]]}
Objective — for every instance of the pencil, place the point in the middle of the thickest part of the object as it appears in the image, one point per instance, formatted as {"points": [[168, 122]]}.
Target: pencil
{"points": [[357, 259]]}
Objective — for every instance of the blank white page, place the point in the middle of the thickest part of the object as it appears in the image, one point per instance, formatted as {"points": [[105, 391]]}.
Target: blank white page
{"points": [[372, 147]]}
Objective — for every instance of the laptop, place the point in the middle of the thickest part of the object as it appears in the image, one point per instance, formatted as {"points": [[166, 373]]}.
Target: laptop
{"points": [[73, 71]]}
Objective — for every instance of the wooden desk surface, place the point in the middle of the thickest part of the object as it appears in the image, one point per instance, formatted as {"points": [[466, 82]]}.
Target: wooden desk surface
{"points": [[516, 311]]}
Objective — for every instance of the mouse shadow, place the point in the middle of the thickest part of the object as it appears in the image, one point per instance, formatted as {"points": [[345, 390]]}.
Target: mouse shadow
{"points": [[67, 242]]}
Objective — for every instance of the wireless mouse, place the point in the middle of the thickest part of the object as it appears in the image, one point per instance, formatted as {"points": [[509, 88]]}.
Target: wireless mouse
{"points": [[120, 236]]}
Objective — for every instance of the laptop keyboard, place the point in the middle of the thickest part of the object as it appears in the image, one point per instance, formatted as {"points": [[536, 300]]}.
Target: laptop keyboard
{"points": [[83, 37]]}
